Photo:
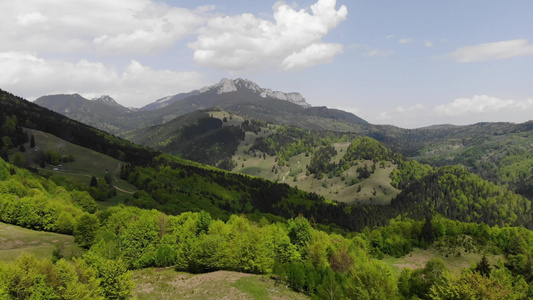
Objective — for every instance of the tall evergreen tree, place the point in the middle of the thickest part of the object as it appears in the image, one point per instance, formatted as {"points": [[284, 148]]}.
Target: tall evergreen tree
{"points": [[483, 266], [427, 233], [94, 182]]}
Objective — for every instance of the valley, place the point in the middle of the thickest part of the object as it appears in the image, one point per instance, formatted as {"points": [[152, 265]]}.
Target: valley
{"points": [[260, 207]]}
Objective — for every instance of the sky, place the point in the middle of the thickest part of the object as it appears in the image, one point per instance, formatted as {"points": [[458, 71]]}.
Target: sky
{"points": [[409, 63]]}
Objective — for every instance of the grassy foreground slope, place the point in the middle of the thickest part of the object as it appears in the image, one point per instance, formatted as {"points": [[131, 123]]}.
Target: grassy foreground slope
{"points": [[14, 240], [166, 283]]}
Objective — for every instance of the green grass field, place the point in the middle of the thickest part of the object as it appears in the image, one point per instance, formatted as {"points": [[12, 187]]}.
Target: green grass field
{"points": [[375, 190], [15, 240], [418, 258], [165, 283]]}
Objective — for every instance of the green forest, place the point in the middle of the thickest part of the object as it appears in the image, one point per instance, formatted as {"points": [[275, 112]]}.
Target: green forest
{"points": [[318, 263], [195, 218]]}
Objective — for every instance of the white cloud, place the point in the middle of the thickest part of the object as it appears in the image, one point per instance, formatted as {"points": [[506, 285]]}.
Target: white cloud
{"points": [[313, 55], [399, 110], [131, 26], [461, 111], [483, 104], [367, 50], [428, 44], [405, 41], [31, 76], [406, 117], [293, 40], [31, 18], [493, 51], [378, 52]]}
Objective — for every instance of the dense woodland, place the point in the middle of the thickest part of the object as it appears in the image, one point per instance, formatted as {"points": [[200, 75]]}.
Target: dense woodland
{"points": [[320, 264], [196, 136], [498, 152], [196, 218]]}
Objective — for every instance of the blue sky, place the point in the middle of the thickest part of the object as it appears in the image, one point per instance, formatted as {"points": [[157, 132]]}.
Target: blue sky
{"points": [[409, 63]]}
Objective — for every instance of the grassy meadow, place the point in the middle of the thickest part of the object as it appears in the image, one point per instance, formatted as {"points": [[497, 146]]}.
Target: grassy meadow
{"points": [[15, 240], [165, 283], [87, 163]]}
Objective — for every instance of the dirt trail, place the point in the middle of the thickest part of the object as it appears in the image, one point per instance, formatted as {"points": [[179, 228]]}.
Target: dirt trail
{"points": [[127, 192], [117, 169]]}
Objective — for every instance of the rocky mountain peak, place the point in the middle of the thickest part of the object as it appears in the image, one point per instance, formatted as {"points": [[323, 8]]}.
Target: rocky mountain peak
{"points": [[106, 100], [228, 85]]}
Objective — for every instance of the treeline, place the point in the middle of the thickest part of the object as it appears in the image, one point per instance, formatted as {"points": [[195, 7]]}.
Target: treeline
{"points": [[23, 113], [175, 186], [37, 203], [31, 278], [33, 202], [306, 259], [205, 141], [460, 195], [504, 159], [360, 149], [11, 134], [324, 266], [511, 278], [290, 141]]}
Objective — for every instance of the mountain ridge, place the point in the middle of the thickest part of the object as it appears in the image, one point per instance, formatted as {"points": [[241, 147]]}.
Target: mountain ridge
{"points": [[231, 85], [240, 96]]}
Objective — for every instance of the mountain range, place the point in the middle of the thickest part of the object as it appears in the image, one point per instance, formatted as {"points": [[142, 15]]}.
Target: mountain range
{"points": [[240, 96], [496, 151], [227, 86], [323, 165], [192, 217]]}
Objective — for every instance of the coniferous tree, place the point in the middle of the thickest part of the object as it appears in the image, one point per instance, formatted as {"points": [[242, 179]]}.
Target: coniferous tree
{"points": [[32, 142], [483, 266], [427, 233], [94, 182], [108, 179]]}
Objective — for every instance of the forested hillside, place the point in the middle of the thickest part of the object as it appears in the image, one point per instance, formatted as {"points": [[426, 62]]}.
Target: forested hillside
{"points": [[18, 113], [196, 136], [307, 260], [198, 218], [503, 156], [498, 152]]}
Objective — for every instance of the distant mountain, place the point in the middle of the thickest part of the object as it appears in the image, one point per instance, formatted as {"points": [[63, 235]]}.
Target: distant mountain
{"points": [[107, 100], [239, 96], [201, 136], [164, 102], [348, 168], [357, 171], [227, 86], [32, 116], [102, 112]]}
